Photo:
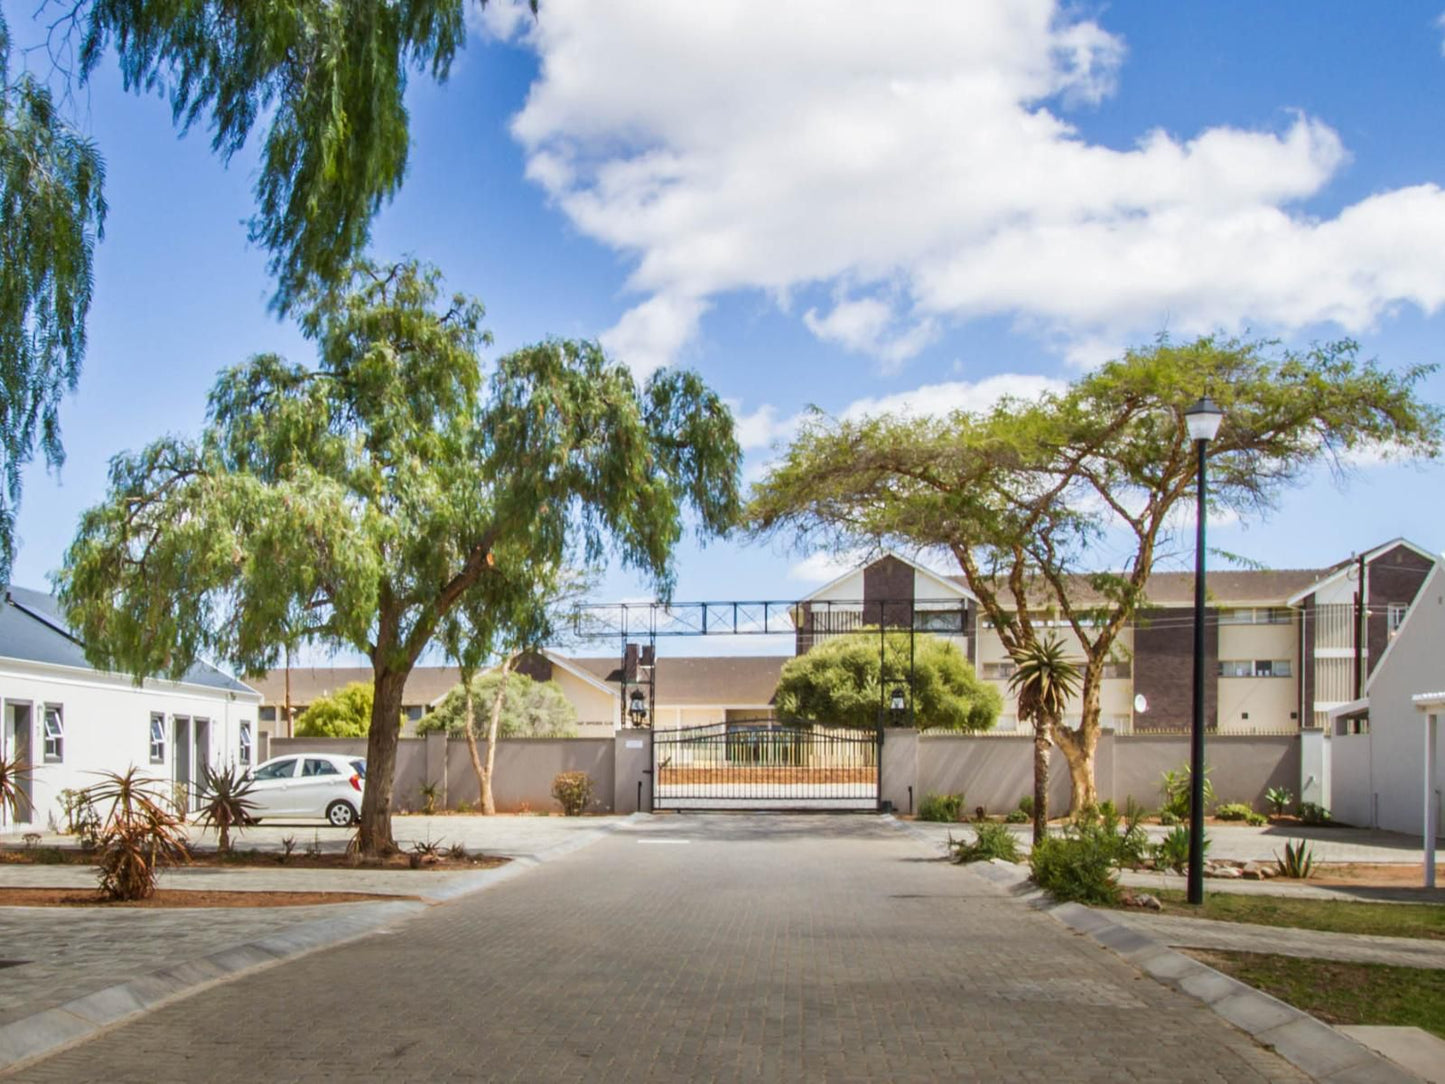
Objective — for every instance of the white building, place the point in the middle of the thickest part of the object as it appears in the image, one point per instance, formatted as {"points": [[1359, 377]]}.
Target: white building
{"points": [[67, 721]]}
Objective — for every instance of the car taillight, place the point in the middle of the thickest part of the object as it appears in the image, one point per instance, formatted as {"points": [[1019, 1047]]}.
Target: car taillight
{"points": [[356, 782]]}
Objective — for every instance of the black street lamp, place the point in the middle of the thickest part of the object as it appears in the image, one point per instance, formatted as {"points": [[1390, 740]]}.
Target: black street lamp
{"points": [[1203, 420], [897, 703], [637, 707]]}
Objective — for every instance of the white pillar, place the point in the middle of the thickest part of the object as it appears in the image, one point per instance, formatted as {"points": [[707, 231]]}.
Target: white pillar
{"points": [[1432, 826]]}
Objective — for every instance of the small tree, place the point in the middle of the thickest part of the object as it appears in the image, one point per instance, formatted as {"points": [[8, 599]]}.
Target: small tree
{"points": [[139, 836], [225, 803], [529, 709], [848, 680], [346, 713], [1044, 681]]}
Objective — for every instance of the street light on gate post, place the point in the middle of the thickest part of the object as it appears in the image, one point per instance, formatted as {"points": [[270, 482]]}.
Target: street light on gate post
{"points": [[1203, 420]]}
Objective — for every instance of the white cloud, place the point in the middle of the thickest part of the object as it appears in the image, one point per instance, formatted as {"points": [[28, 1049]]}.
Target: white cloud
{"points": [[916, 163], [937, 400], [762, 428]]}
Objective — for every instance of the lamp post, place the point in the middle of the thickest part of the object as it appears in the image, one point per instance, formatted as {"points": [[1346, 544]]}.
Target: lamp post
{"points": [[897, 703], [637, 707], [1203, 420]]}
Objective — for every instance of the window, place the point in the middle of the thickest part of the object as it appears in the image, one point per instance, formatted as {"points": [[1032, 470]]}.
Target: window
{"points": [[1395, 616], [998, 671], [158, 738], [938, 620], [267, 715], [1253, 668], [1118, 668], [280, 769], [1257, 615], [54, 735], [360, 767], [245, 742], [415, 712], [314, 766]]}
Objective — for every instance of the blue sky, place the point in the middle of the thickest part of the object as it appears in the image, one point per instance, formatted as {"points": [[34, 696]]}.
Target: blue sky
{"points": [[965, 199]]}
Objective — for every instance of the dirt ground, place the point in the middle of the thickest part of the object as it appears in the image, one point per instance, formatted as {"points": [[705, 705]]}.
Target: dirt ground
{"points": [[177, 897], [1374, 875]]}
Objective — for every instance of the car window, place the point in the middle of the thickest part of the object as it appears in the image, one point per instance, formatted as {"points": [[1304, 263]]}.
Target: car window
{"points": [[360, 767], [279, 769], [314, 766]]}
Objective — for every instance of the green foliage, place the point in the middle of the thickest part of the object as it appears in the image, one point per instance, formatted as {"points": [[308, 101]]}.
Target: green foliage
{"points": [[1021, 493], [1122, 835], [225, 802], [139, 835], [1172, 852], [1256, 820], [1044, 679], [52, 212], [13, 775], [1313, 813], [430, 792], [1026, 805], [530, 709], [989, 841], [839, 682], [1233, 811], [363, 503], [346, 713], [1298, 861], [1075, 867], [944, 808], [1168, 818], [1175, 787], [326, 81], [1279, 799], [1017, 816], [573, 791]]}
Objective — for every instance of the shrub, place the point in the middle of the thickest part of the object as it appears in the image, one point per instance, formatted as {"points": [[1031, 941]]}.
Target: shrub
{"points": [[1122, 836], [941, 807], [1075, 867], [225, 802], [1018, 816], [989, 841], [1298, 861], [1279, 799], [139, 835], [1233, 811], [1176, 786], [1314, 813], [429, 794], [573, 790], [1166, 818], [1172, 852], [13, 775], [1026, 806], [1256, 820]]}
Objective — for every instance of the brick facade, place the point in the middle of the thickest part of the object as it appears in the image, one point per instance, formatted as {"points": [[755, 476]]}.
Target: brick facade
{"points": [[888, 589], [1394, 577], [1164, 668]]}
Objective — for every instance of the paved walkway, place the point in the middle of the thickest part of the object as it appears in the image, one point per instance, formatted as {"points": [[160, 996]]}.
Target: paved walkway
{"points": [[722, 948], [1206, 933]]}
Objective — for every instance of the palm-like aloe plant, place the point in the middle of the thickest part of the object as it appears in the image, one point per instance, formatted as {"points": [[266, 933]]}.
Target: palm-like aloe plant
{"points": [[13, 773], [1043, 680], [226, 803], [139, 835]]}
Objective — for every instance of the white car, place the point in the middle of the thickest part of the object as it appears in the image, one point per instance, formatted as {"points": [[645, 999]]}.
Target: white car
{"points": [[309, 785]]}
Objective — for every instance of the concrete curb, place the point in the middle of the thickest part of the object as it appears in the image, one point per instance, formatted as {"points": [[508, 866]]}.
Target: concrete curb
{"points": [[1308, 1044], [48, 1032]]}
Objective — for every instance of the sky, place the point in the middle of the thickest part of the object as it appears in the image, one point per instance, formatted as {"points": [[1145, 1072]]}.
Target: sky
{"points": [[859, 206]]}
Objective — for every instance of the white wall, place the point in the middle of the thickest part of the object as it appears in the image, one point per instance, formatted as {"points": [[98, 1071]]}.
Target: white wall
{"points": [[1383, 770], [107, 727]]}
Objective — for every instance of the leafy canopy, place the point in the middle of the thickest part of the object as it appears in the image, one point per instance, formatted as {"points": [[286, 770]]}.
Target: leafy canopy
{"points": [[325, 80], [346, 713], [1044, 680], [846, 680], [52, 212], [530, 709]]}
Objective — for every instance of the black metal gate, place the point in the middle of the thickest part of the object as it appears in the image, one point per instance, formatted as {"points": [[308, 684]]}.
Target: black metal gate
{"points": [[765, 764]]}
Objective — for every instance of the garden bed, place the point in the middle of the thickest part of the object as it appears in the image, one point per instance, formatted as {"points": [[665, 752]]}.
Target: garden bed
{"points": [[180, 897], [248, 859]]}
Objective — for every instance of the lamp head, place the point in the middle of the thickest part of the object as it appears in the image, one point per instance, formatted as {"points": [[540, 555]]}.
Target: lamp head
{"points": [[897, 702], [1203, 419]]}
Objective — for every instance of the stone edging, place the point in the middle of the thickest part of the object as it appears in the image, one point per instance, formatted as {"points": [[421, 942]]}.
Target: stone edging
{"points": [[44, 1033]]}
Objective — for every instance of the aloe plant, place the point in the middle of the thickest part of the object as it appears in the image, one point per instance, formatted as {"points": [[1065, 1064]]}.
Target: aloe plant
{"points": [[139, 834], [13, 773], [1298, 861], [226, 803]]}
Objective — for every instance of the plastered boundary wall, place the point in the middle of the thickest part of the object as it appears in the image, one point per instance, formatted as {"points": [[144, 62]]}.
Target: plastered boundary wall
{"points": [[993, 771]]}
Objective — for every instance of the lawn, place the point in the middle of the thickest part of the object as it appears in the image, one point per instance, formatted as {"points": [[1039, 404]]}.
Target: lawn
{"points": [[1342, 993], [1425, 920]]}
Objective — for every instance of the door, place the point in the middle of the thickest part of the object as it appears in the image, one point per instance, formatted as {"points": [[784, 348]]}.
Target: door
{"points": [[319, 784], [271, 785], [19, 746], [202, 759], [181, 772]]}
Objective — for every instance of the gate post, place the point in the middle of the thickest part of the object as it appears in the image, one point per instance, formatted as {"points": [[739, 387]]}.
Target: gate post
{"points": [[632, 761]]}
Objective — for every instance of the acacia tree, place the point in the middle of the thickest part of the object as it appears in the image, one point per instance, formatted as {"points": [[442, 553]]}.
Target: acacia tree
{"points": [[52, 212], [359, 502], [1023, 495], [848, 679]]}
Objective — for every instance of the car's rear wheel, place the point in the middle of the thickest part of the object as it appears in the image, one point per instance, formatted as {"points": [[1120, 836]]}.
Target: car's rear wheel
{"points": [[341, 814]]}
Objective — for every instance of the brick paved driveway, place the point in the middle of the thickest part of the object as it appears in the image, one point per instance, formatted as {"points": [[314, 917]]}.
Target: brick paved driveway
{"points": [[783, 948]]}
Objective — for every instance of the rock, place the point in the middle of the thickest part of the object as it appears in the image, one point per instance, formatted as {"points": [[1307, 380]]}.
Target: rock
{"points": [[1144, 900], [1228, 872]]}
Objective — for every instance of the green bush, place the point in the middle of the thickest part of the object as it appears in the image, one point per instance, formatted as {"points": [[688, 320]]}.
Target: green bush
{"points": [[1122, 835], [573, 790], [946, 808], [1314, 813], [1026, 805], [1256, 820], [1167, 818], [1075, 867], [1279, 799], [1233, 811], [989, 841], [1018, 816], [1176, 786], [1172, 852]]}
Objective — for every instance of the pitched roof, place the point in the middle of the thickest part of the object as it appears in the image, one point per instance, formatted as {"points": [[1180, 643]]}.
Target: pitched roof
{"points": [[424, 685], [33, 629], [741, 680]]}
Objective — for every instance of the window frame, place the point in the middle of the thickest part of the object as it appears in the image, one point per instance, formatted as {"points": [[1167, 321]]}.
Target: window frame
{"points": [[246, 743], [158, 722], [55, 741]]}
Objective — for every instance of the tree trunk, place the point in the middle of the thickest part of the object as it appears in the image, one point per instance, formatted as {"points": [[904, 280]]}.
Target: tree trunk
{"points": [[489, 804], [1041, 781], [375, 832], [469, 720], [1079, 745]]}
